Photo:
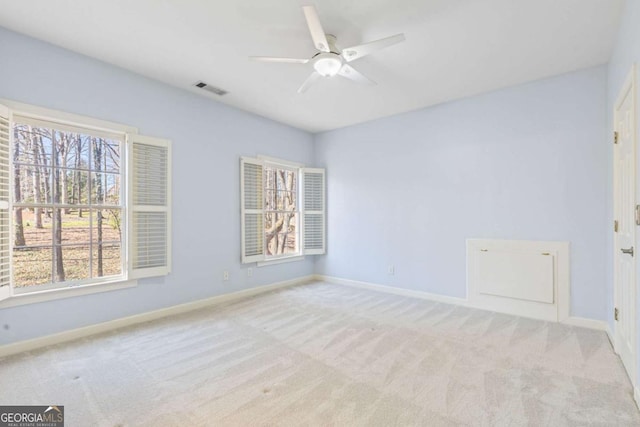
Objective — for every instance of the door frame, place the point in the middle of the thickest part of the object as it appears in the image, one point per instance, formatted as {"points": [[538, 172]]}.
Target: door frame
{"points": [[630, 85]]}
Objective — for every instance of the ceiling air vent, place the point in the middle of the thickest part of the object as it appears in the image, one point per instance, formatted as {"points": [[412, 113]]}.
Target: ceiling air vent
{"points": [[212, 89]]}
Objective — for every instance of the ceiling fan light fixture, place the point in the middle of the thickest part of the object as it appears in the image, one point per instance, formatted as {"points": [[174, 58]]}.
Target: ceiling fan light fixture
{"points": [[327, 64]]}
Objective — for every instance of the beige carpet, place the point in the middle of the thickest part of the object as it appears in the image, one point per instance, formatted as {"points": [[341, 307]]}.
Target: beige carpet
{"points": [[324, 354]]}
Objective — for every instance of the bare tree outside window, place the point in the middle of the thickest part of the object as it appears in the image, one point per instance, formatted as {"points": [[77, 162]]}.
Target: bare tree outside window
{"points": [[281, 210], [67, 205]]}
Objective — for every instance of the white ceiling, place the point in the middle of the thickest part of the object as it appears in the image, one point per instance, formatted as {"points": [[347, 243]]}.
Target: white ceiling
{"points": [[454, 48]]}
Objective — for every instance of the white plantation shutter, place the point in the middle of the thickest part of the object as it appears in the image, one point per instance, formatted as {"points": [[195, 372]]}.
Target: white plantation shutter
{"points": [[150, 206], [5, 194], [251, 210], [313, 211]]}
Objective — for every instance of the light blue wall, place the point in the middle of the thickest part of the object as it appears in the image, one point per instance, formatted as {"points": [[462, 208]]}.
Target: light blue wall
{"points": [[528, 162], [625, 54], [208, 139]]}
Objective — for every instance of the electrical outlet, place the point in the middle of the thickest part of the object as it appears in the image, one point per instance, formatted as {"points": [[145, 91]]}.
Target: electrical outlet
{"points": [[249, 272], [391, 270], [225, 275]]}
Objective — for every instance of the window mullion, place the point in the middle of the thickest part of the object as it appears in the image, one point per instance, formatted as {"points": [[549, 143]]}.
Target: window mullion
{"points": [[91, 213], [52, 195]]}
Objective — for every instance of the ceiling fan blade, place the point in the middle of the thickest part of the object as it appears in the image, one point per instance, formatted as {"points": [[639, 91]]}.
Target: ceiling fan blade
{"points": [[354, 52], [315, 28], [310, 80], [351, 73], [276, 59]]}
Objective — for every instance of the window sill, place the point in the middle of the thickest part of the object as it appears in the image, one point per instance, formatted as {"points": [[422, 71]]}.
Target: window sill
{"points": [[280, 260], [68, 292]]}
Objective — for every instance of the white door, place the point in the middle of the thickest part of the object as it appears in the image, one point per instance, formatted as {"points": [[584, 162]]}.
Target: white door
{"points": [[625, 250]]}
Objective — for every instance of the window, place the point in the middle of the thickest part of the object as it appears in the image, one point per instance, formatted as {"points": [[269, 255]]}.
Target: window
{"points": [[80, 204], [282, 209], [67, 204]]}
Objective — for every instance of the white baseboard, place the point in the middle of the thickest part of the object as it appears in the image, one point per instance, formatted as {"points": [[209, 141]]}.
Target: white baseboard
{"points": [[611, 337], [61, 337], [35, 343], [393, 290], [583, 322], [572, 321]]}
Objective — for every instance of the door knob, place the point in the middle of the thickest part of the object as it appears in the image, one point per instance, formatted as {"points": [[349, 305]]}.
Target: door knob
{"points": [[627, 251]]}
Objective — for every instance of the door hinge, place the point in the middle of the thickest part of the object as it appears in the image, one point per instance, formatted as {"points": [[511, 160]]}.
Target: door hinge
{"points": [[615, 226], [615, 137], [616, 314]]}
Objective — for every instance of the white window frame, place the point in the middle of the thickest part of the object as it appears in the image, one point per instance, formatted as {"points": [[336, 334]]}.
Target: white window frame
{"points": [[294, 167], [18, 117], [263, 259], [94, 285]]}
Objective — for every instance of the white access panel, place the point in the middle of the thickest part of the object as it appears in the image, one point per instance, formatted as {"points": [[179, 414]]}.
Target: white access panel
{"points": [[525, 278]]}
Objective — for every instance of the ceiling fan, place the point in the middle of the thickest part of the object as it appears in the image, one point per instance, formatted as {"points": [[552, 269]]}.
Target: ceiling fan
{"points": [[330, 61]]}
